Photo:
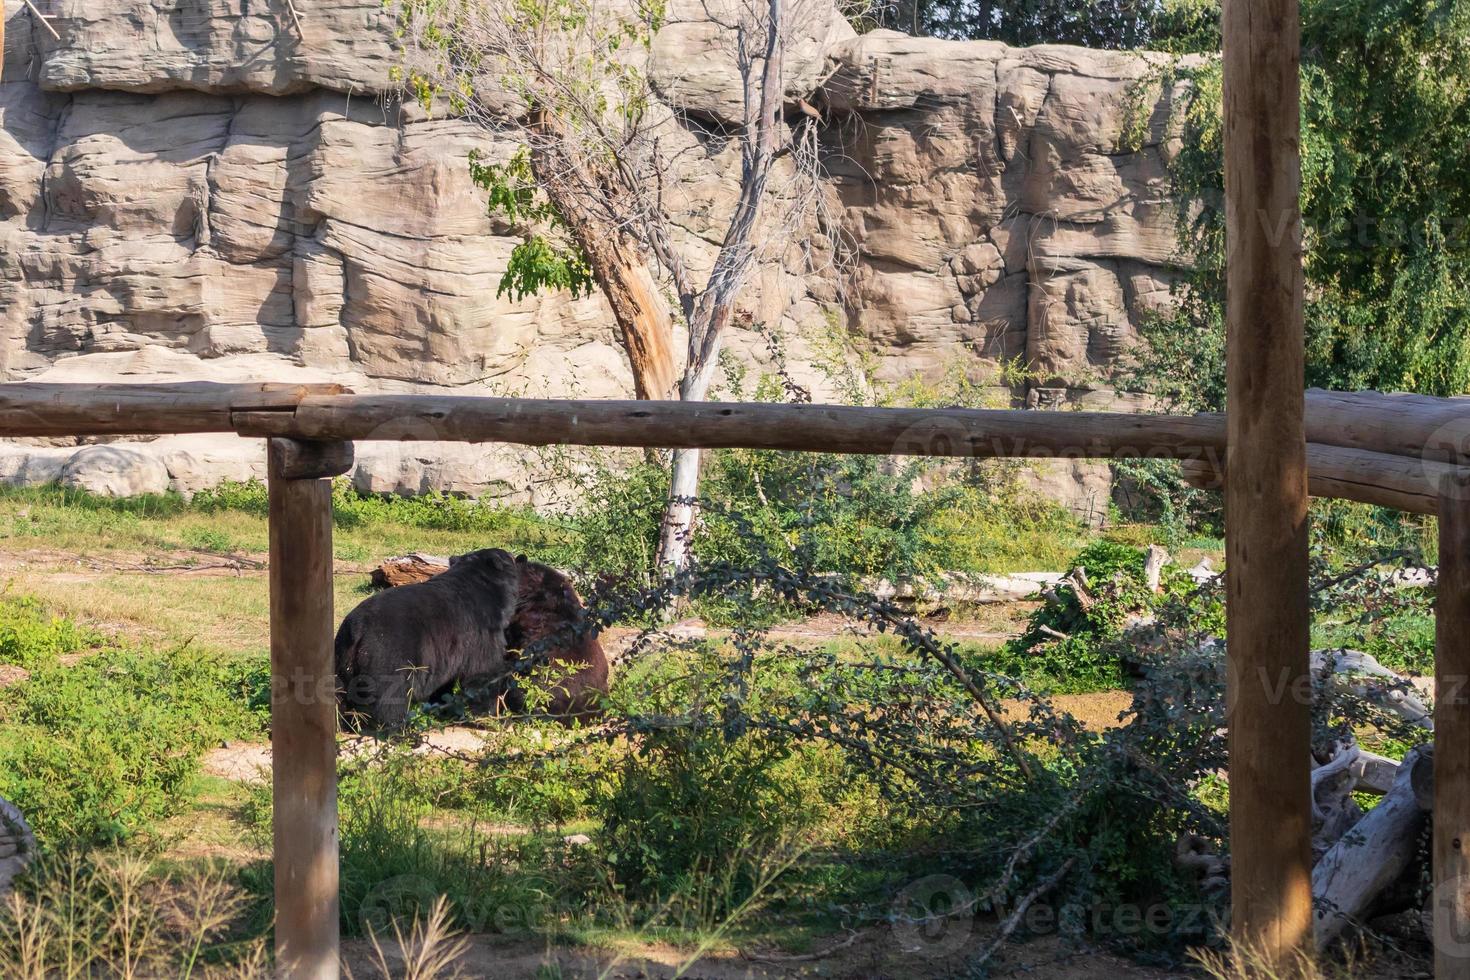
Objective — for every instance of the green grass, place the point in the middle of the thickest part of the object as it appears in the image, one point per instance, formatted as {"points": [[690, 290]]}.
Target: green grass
{"points": [[972, 534], [99, 740], [232, 521], [224, 614]]}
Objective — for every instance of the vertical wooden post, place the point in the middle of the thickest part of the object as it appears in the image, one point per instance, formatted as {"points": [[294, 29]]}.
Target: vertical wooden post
{"points": [[1266, 494], [1451, 901], [304, 707]]}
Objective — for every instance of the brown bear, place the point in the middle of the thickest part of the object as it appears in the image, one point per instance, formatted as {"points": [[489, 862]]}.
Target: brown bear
{"points": [[412, 644], [551, 625]]}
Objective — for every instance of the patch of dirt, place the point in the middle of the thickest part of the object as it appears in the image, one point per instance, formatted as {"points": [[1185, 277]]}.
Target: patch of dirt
{"points": [[1096, 711], [246, 762], [240, 762], [873, 954]]}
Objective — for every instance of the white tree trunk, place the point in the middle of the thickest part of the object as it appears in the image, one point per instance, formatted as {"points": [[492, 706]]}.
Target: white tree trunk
{"points": [[712, 312], [678, 529]]}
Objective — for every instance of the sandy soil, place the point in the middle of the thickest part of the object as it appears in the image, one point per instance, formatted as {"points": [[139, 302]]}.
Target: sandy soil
{"points": [[874, 954]]}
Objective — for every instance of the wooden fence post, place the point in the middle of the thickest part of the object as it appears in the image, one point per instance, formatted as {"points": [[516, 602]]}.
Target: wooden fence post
{"points": [[1451, 901], [1266, 492], [304, 707]]}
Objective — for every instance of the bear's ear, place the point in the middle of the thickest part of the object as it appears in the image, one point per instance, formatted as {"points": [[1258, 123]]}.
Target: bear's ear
{"points": [[455, 560], [521, 559]]}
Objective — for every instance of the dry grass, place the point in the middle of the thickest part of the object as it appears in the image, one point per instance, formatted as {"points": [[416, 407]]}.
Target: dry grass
{"points": [[1249, 962], [431, 950], [219, 613], [113, 916]]}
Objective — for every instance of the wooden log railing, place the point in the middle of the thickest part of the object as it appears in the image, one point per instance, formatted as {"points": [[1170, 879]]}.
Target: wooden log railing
{"points": [[1450, 902], [1363, 446], [35, 409], [1397, 482]]}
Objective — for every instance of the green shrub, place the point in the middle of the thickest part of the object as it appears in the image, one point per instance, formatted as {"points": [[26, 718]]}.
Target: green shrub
{"points": [[1067, 643], [701, 800], [403, 845], [96, 750], [846, 515], [29, 637], [613, 511], [245, 498]]}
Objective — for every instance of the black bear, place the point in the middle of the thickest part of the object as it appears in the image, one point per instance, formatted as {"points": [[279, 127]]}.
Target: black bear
{"points": [[411, 644], [550, 624]]}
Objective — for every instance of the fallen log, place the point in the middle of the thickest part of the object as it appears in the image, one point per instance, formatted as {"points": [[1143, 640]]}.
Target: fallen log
{"points": [[1361, 675], [1154, 561], [1373, 773], [1334, 811], [408, 569], [1371, 857]]}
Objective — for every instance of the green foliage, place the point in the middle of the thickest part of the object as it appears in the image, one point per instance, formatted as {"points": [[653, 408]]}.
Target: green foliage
{"points": [[31, 638], [394, 862], [1152, 492], [865, 516], [98, 742], [248, 497], [1355, 551], [614, 511], [1163, 25], [700, 799], [577, 68], [1070, 642], [537, 263], [1091, 23], [1385, 202], [846, 515]]}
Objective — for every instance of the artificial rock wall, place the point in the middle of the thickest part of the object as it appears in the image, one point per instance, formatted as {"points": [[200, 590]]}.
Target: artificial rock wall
{"points": [[216, 189]]}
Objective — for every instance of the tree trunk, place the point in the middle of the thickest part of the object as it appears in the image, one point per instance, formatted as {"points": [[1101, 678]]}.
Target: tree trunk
{"points": [[642, 317], [712, 314], [617, 265], [1371, 857], [678, 528]]}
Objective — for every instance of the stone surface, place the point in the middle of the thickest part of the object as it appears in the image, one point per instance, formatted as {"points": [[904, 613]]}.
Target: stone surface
{"points": [[211, 189], [114, 471]]}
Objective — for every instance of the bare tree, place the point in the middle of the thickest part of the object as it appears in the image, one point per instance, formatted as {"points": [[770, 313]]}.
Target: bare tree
{"points": [[569, 79]]}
